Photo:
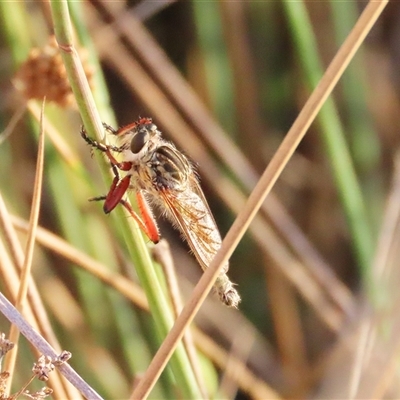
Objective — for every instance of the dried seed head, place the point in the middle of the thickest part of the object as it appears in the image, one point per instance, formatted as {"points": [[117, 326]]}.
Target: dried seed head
{"points": [[43, 368], [43, 74], [40, 394], [62, 358], [5, 345]]}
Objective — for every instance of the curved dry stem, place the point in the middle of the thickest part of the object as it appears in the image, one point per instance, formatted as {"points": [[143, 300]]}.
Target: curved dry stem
{"points": [[61, 145], [162, 254], [247, 381], [34, 309], [27, 265], [18, 114], [11, 313], [269, 177], [173, 85]]}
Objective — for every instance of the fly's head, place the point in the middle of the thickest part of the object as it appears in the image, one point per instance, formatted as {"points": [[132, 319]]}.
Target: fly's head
{"points": [[140, 140]]}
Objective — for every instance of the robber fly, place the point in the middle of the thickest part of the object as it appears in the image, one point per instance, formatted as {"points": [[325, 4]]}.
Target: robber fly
{"points": [[161, 175]]}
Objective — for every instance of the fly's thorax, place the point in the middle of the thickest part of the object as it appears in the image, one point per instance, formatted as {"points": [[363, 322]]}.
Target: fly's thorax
{"points": [[169, 168]]}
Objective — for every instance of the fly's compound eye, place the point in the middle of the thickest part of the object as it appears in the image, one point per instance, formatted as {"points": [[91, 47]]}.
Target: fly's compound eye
{"points": [[138, 141]]}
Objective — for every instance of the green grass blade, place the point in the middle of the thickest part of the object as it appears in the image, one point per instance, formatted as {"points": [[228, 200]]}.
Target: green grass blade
{"points": [[334, 138]]}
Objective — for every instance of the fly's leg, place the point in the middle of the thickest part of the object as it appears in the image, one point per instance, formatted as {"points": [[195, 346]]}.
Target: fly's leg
{"points": [[148, 219], [114, 197], [107, 149], [97, 145], [120, 186], [125, 129], [151, 231], [117, 190]]}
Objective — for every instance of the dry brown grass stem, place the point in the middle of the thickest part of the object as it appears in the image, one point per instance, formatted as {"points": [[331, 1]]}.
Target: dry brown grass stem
{"points": [[18, 114], [269, 177], [62, 147], [30, 245], [171, 85], [246, 380], [372, 346], [34, 310], [381, 266], [32, 306], [162, 254], [240, 350], [326, 288], [11, 313]]}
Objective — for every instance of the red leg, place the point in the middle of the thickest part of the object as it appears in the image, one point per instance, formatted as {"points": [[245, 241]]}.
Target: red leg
{"points": [[120, 186], [150, 231], [114, 197], [117, 191], [148, 218], [123, 165]]}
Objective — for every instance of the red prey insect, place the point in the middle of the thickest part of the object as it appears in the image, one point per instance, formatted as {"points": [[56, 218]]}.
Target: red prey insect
{"points": [[159, 173]]}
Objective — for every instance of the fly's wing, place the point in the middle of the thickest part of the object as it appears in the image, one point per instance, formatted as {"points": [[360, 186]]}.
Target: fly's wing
{"points": [[189, 210]]}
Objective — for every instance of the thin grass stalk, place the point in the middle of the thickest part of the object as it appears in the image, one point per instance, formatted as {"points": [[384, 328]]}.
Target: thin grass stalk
{"points": [[250, 130], [387, 236], [30, 245], [147, 8], [17, 116], [335, 142], [76, 74], [100, 94], [34, 309], [239, 351], [144, 86], [246, 379], [360, 354], [287, 326], [162, 254], [363, 140], [173, 85], [139, 252], [218, 74], [269, 177]]}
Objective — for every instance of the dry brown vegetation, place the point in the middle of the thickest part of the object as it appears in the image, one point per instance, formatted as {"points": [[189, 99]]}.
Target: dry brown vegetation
{"points": [[236, 85]]}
